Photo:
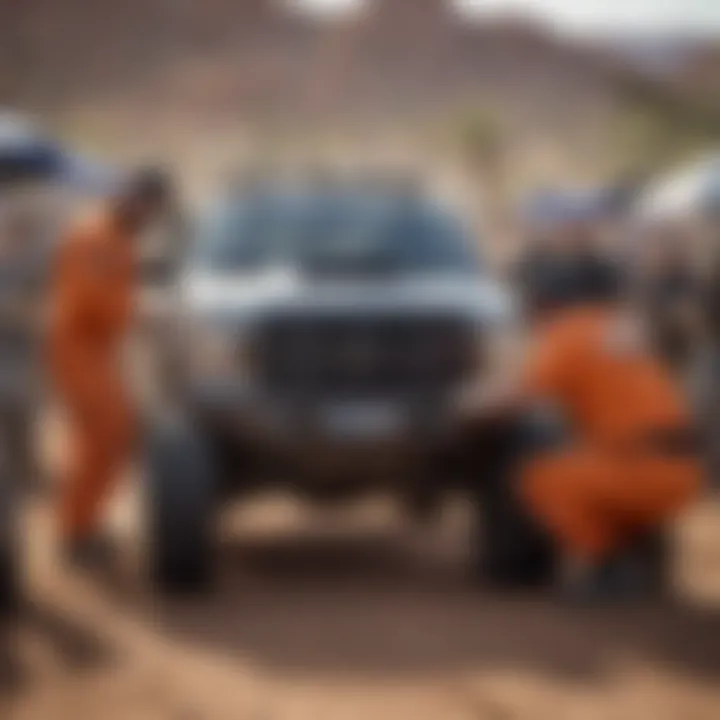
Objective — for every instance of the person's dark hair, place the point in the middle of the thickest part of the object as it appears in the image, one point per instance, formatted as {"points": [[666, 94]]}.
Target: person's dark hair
{"points": [[149, 183], [591, 282]]}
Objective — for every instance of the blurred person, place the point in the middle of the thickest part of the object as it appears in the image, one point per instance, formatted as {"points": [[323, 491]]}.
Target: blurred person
{"points": [[92, 293], [16, 349], [19, 274], [629, 464], [712, 399], [673, 293]]}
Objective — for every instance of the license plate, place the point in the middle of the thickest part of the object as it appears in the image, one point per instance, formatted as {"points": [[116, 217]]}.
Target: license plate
{"points": [[363, 420]]}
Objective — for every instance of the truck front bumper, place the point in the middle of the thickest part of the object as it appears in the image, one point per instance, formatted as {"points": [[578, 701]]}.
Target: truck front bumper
{"points": [[347, 431]]}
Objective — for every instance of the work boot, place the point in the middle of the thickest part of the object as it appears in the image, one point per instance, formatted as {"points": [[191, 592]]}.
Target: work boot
{"points": [[622, 578], [640, 572], [93, 552], [586, 584]]}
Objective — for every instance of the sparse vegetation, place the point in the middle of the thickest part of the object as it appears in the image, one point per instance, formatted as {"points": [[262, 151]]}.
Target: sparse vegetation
{"points": [[481, 142], [658, 126]]}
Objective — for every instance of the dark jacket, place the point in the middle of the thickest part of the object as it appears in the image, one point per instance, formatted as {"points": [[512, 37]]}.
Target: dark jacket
{"points": [[550, 280], [669, 294]]}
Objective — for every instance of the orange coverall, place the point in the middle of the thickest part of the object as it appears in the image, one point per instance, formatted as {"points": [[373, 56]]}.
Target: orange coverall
{"points": [[91, 305], [609, 486]]}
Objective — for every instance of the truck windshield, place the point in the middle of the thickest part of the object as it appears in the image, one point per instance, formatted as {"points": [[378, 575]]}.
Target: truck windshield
{"points": [[333, 235]]}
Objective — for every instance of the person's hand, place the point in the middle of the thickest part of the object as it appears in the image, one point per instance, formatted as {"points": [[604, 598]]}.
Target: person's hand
{"points": [[486, 399], [497, 390]]}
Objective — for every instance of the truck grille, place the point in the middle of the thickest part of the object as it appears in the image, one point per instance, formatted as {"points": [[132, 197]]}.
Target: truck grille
{"points": [[364, 357]]}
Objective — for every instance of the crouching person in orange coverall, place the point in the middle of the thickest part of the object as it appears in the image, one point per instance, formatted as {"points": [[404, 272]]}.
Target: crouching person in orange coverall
{"points": [[631, 463], [92, 297]]}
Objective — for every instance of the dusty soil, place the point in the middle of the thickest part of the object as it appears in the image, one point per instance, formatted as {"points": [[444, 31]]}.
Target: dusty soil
{"points": [[357, 618]]}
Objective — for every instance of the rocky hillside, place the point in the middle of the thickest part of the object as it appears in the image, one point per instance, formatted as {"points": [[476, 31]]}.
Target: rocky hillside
{"points": [[248, 56]]}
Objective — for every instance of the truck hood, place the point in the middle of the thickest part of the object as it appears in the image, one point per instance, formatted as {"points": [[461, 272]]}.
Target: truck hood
{"points": [[243, 297]]}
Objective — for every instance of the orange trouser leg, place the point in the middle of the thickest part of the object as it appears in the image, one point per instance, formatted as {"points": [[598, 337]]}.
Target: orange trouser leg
{"points": [[593, 502], [101, 434]]}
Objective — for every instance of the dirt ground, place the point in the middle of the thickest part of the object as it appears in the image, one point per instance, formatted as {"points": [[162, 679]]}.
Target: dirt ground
{"points": [[359, 617]]}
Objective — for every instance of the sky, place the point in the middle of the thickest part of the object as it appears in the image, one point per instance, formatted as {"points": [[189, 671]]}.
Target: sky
{"points": [[589, 16]]}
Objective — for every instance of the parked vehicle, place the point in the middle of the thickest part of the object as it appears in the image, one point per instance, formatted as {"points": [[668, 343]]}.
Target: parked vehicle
{"points": [[319, 340]]}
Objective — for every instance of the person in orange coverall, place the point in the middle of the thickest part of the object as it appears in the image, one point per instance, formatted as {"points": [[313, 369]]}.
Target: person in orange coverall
{"points": [[91, 301], [632, 463]]}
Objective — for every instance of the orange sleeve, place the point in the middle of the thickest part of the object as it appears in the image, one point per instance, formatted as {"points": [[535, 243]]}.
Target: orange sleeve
{"points": [[68, 296], [86, 297]]}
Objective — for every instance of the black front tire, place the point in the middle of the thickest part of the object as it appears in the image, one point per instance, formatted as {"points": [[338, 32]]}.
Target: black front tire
{"points": [[9, 573], [8, 584], [182, 504], [509, 550]]}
